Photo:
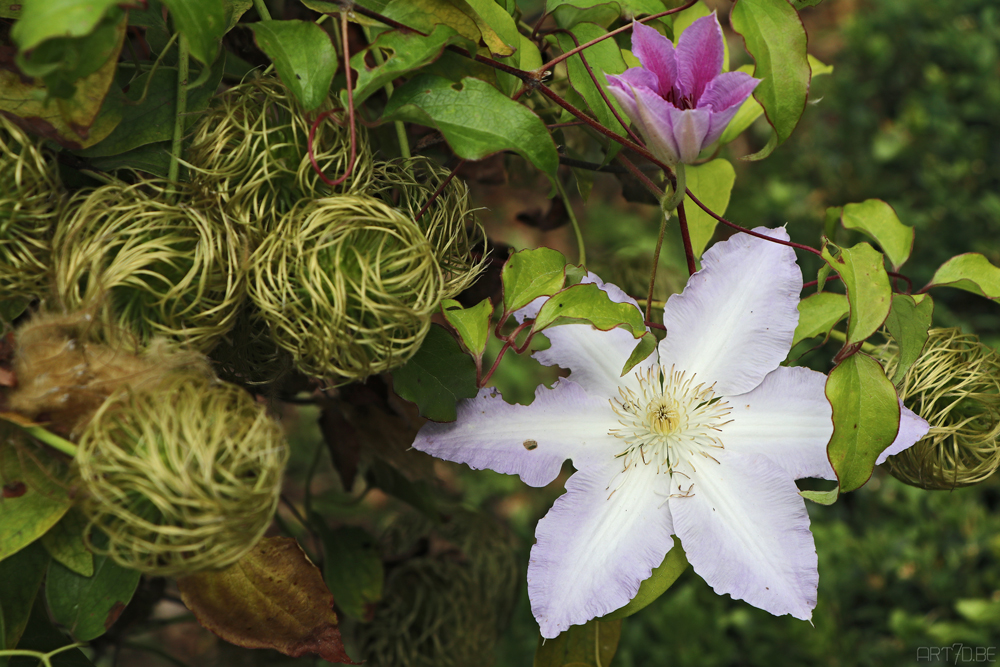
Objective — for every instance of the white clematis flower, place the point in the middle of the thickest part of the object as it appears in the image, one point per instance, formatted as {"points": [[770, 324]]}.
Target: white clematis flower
{"points": [[703, 439]]}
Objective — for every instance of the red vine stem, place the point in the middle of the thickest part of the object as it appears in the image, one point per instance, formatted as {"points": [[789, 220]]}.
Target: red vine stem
{"points": [[350, 115], [437, 193], [718, 217], [686, 238], [600, 88], [628, 26]]}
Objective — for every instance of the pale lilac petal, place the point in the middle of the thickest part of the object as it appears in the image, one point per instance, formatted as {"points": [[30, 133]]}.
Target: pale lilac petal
{"points": [[912, 427], [787, 419], [730, 89], [700, 52], [690, 131], [724, 95], [745, 530], [597, 543], [656, 53], [654, 121], [531, 441], [595, 358], [734, 322], [635, 76]]}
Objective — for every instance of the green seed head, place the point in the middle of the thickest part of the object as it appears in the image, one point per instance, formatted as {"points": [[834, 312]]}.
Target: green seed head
{"points": [[141, 262], [448, 222], [181, 479], [347, 285], [955, 386], [251, 149], [30, 201]]}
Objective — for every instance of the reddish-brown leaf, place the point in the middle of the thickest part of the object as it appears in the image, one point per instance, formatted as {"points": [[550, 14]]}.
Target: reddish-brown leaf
{"points": [[273, 597]]}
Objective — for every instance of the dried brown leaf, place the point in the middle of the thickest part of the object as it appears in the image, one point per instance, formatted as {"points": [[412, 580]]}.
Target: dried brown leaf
{"points": [[273, 597]]}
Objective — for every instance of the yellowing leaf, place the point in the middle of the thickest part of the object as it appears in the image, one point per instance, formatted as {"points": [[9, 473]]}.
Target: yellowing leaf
{"points": [[273, 597]]}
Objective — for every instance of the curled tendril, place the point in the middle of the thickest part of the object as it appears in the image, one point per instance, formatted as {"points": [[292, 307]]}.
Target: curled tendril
{"points": [[347, 285], [253, 149], [955, 386], [418, 185], [30, 203], [182, 479], [142, 262]]}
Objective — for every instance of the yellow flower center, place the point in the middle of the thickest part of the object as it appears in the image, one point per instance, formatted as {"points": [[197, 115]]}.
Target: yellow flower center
{"points": [[670, 420]]}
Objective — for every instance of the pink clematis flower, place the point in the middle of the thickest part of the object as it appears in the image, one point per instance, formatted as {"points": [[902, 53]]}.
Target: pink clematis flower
{"points": [[679, 99], [703, 439]]}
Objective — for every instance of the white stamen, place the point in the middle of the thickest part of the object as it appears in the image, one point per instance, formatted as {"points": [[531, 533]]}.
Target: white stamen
{"points": [[668, 422]]}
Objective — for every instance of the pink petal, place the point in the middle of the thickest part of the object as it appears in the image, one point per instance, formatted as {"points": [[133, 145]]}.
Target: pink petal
{"points": [[912, 427], [594, 357], [724, 95], [635, 76], [690, 131], [700, 51], [656, 53], [531, 441], [786, 419], [745, 530], [597, 543], [734, 322], [655, 124]]}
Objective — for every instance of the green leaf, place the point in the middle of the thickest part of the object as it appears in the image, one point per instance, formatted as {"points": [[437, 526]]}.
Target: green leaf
{"points": [[591, 645], [776, 39], [818, 314], [818, 67], [472, 324], [31, 502], [10, 9], [11, 309], [604, 58], [352, 568], [153, 120], [603, 13], [587, 303], [908, 323], [644, 348], [234, 10], [88, 606], [878, 221], [663, 577], [531, 57], [865, 418], [749, 111], [437, 376], [475, 118], [151, 158], [45, 19], [20, 579], [203, 22], [403, 52], [629, 8], [64, 542], [971, 272], [822, 497], [711, 183], [303, 55], [41, 636], [832, 217], [495, 18], [458, 14], [529, 274], [868, 291]]}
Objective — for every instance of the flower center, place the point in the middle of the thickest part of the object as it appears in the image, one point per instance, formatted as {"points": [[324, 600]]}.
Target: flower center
{"points": [[669, 421]]}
